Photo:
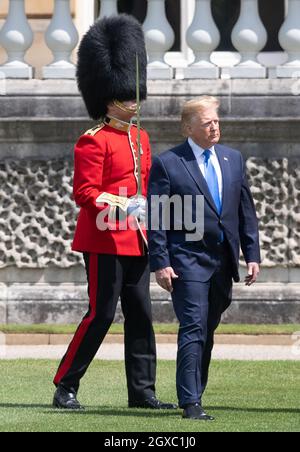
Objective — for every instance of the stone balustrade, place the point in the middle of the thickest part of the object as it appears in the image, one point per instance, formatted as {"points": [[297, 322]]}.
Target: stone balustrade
{"points": [[201, 37]]}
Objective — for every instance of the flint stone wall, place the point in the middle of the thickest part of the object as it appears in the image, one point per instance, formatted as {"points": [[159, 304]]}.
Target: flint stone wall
{"points": [[42, 280]]}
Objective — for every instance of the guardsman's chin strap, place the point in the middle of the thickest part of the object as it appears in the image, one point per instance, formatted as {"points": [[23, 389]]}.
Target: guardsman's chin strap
{"points": [[121, 106]]}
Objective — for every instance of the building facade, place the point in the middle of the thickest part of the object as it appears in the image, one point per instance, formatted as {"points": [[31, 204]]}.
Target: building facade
{"points": [[246, 52]]}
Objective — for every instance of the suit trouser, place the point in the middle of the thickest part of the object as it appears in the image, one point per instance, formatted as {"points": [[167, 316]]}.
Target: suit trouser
{"points": [[111, 277], [199, 307]]}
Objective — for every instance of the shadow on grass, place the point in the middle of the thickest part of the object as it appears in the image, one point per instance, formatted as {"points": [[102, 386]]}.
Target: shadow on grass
{"points": [[121, 412], [24, 406], [254, 410], [126, 412], [100, 411], [147, 413]]}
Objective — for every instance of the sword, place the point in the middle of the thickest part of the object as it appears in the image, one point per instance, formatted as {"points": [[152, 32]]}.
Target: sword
{"points": [[139, 197], [138, 101]]}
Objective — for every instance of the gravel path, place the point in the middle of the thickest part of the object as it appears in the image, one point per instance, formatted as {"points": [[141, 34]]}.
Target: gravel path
{"points": [[165, 351]]}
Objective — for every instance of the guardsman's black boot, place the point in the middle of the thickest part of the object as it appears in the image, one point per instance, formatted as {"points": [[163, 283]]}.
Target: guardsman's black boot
{"points": [[154, 404], [66, 399]]}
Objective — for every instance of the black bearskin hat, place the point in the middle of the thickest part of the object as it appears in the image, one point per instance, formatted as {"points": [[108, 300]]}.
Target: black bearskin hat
{"points": [[106, 68]]}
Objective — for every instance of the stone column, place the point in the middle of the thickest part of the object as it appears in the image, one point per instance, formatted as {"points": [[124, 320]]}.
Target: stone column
{"points": [[62, 38], [159, 39], [289, 38], [85, 15], [203, 38], [108, 8], [16, 37], [249, 37]]}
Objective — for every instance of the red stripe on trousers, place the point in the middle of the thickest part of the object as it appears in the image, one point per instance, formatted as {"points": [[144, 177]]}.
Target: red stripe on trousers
{"points": [[84, 327]]}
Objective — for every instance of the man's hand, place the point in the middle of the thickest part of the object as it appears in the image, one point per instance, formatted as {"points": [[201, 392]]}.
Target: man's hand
{"points": [[253, 272], [164, 278]]}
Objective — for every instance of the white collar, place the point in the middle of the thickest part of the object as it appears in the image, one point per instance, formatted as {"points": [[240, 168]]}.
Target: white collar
{"points": [[198, 150]]}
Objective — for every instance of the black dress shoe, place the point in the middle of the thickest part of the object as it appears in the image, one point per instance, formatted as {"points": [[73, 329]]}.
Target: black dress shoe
{"points": [[65, 399], [195, 411], [153, 404]]}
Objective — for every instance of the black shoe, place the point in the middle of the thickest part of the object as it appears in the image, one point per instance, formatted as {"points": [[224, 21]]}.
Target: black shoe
{"points": [[153, 404], [195, 411], [66, 399]]}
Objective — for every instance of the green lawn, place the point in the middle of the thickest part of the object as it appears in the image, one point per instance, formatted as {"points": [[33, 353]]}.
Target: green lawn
{"points": [[243, 396], [160, 328]]}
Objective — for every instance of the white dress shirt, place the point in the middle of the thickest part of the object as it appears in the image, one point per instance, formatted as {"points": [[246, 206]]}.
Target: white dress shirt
{"points": [[199, 154]]}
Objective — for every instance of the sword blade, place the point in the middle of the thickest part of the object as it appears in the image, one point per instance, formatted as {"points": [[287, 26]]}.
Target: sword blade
{"points": [[138, 101]]}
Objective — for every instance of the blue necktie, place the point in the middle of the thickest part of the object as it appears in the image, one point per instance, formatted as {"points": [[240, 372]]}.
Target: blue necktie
{"points": [[213, 184], [212, 180]]}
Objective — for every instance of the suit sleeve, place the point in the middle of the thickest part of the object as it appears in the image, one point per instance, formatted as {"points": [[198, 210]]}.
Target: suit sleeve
{"points": [[249, 231], [88, 177], [159, 185]]}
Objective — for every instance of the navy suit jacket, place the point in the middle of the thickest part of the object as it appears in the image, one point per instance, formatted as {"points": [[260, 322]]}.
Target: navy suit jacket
{"points": [[176, 172]]}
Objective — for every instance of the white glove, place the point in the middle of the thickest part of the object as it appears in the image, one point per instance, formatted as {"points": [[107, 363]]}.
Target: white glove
{"points": [[137, 208]]}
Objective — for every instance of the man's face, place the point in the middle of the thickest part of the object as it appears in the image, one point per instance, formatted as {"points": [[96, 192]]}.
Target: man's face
{"points": [[115, 111], [205, 128]]}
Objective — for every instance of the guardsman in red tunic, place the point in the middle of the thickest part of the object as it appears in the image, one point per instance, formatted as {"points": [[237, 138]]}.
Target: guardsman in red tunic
{"points": [[112, 165]]}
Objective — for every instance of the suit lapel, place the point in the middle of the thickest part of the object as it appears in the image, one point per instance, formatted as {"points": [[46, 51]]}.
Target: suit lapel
{"points": [[225, 168], [189, 160]]}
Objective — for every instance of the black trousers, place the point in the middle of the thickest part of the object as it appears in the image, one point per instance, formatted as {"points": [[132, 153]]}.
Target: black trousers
{"points": [[111, 277]]}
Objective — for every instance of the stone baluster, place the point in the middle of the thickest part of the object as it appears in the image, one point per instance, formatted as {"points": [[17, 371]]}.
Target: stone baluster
{"points": [[289, 38], [159, 37], [85, 15], [108, 8], [203, 37], [62, 38], [16, 37], [249, 37]]}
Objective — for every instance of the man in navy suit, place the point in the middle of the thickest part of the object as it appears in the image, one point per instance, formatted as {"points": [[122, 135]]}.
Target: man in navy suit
{"points": [[199, 272]]}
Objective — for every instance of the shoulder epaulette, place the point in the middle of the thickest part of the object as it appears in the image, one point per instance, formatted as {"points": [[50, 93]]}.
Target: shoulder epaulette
{"points": [[92, 132]]}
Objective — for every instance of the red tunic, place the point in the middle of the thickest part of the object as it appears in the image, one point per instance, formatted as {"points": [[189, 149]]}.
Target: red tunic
{"points": [[105, 162]]}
